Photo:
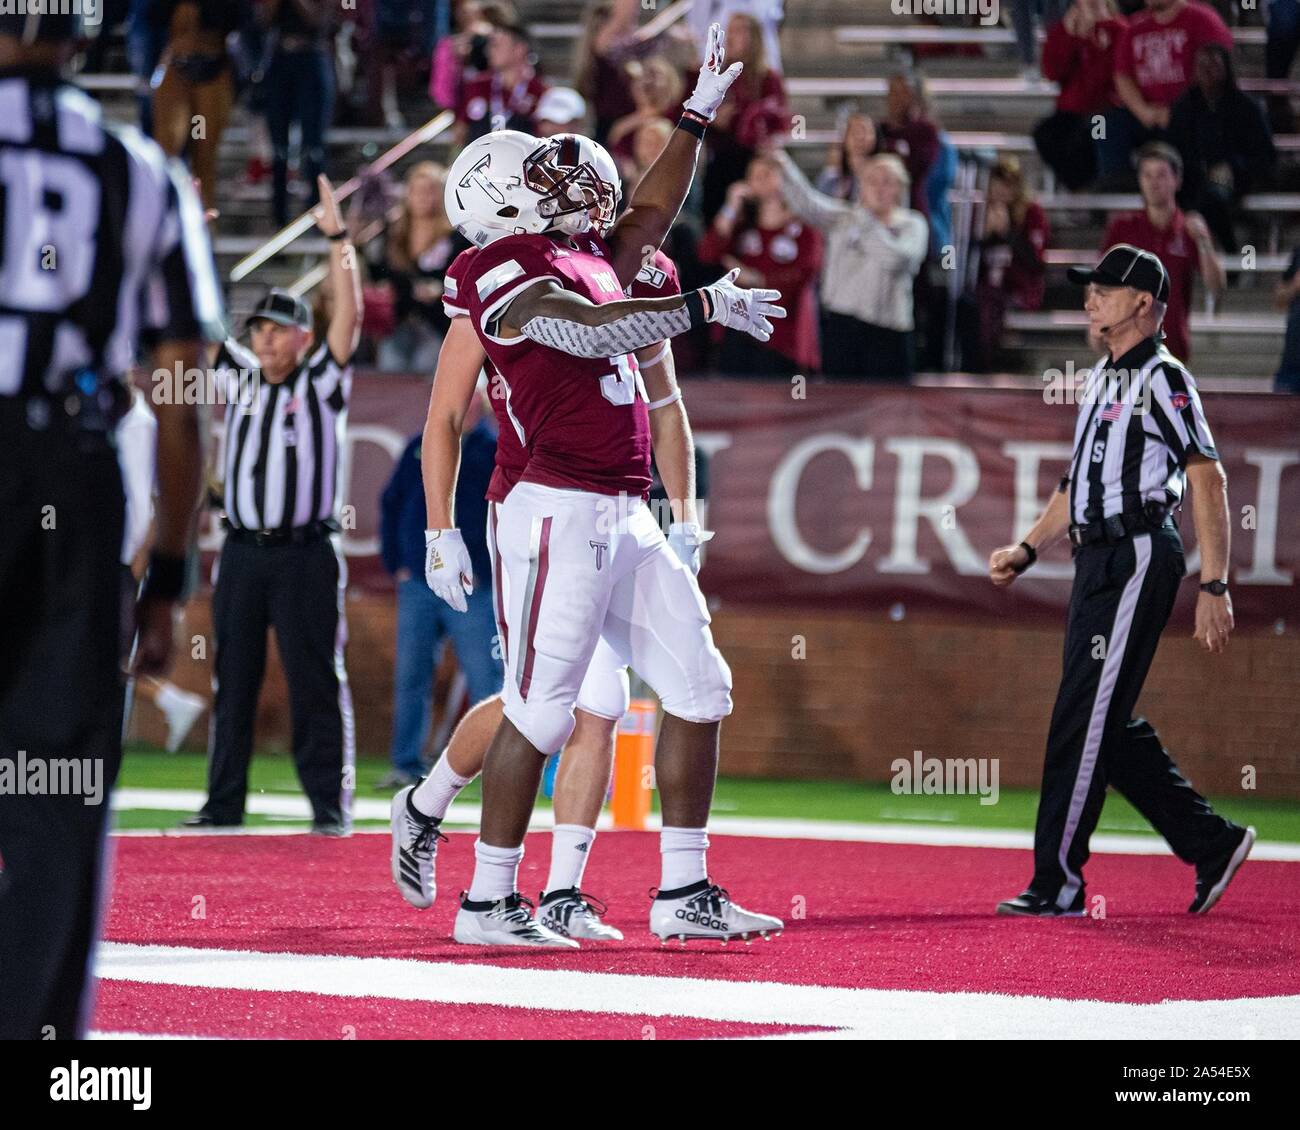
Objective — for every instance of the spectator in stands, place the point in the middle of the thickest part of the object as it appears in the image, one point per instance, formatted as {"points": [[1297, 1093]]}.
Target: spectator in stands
{"points": [[846, 159], [1153, 67], [506, 95], [1023, 17], [755, 232], [299, 87], [1079, 55], [1223, 138], [1286, 296], [753, 110], [424, 621], [145, 40], [766, 14], [657, 89], [1011, 265], [599, 63], [1282, 39], [417, 250], [908, 131], [1181, 241], [194, 88], [874, 249], [561, 110], [462, 56]]}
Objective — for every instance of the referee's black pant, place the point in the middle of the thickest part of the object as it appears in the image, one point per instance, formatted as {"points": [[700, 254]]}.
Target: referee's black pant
{"points": [[60, 700], [295, 589], [1122, 597]]}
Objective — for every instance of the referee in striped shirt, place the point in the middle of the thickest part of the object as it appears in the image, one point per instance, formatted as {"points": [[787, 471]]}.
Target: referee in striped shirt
{"points": [[1141, 435], [104, 252], [280, 567]]}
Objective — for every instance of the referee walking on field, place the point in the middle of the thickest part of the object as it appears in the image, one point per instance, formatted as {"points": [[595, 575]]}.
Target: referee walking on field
{"points": [[1141, 433], [286, 414], [104, 250]]}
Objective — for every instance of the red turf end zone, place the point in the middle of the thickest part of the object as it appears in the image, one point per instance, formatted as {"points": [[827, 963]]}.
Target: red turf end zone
{"points": [[874, 915], [182, 1010]]}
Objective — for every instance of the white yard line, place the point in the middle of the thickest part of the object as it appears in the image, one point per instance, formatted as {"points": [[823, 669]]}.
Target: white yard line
{"points": [[468, 815], [866, 1013]]}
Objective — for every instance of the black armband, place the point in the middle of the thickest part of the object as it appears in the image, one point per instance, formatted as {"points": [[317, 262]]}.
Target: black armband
{"points": [[693, 123], [166, 579], [695, 307], [1033, 556]]}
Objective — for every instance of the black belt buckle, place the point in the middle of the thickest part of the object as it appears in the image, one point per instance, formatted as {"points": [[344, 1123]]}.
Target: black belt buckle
{"points": [[1076, 536]]}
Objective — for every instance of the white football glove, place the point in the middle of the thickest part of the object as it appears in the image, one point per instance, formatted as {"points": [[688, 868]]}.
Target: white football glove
{"points": [[685, 540], [744, 310], [447, 568], [712, 86]]}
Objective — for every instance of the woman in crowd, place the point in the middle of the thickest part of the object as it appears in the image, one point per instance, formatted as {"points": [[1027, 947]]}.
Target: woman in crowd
{"points": [[753, 110], [195, 83], [463, 54], [657, 89], [599, 65], [874, 249], [1011, 265], [1079, 56], [417, 250], [756, 232], [1222, 135], [847, 157]]}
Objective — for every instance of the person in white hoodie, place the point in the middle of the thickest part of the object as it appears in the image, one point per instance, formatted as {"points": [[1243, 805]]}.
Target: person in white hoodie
{"points": [[875, 246]]}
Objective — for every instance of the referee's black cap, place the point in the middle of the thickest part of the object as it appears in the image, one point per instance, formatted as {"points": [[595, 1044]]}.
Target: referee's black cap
{"points": [[1126, 265], [33, 24], [283, 308]]}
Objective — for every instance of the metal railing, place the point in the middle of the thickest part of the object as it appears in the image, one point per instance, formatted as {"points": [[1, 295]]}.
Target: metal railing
{"points": [[287, 236]]}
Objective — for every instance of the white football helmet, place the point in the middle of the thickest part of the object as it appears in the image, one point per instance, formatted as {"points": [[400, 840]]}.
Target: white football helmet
{"points": [[511, 183], [598, 159]]}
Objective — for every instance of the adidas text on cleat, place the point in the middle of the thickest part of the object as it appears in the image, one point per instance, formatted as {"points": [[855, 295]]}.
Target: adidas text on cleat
{"points": [[1214, 875], [415, 843], [1031, 905], [705, 911], [507, 922], [573, 914]]}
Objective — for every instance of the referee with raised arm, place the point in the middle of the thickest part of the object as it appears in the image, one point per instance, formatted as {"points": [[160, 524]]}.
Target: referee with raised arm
{"points": [[286, 414], [1140, 436], [103, 250]]}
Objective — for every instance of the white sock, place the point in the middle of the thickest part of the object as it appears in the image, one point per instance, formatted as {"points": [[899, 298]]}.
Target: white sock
{"points": [[433, 796], [681, 852], [496, 872], [570, 849]]}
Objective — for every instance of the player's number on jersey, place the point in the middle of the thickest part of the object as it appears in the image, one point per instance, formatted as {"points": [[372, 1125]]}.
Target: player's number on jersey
{"points": [[51, 209], [622, 386]]}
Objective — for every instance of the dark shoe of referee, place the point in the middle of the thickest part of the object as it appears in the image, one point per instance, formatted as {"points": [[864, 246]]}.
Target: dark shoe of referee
{"points": [[1140, 437], [109, 252], [286, 414]]}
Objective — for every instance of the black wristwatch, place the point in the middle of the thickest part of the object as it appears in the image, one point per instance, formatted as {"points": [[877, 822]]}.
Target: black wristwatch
{"points": [[1215, 588]]}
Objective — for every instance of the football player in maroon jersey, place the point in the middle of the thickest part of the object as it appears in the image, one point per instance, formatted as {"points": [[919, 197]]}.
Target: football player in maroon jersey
{"points": [[583, 778], [581, 558]]}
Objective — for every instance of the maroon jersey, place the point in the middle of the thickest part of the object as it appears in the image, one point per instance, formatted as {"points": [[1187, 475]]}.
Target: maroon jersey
{"points": [[583, 422], [1177, 251]]}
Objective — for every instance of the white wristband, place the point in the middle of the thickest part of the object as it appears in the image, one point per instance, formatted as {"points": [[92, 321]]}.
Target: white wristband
{"points": [[667, 400], [652, 361]]}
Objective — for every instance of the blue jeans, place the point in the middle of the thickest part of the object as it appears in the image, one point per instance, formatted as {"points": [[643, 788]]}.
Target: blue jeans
{"points": [[299, 87], [423, 623]]}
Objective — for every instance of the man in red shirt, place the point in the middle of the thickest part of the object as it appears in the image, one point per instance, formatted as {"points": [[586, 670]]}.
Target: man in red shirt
{"points": [[505, 96], [1153, 66], [1180, 240]]}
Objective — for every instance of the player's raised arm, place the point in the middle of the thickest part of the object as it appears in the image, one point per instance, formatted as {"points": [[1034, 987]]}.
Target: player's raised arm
{"points": [[658, 199], [563, 320]]}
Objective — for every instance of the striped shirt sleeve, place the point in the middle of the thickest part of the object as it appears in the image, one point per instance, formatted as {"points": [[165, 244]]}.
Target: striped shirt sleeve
{"points": [[184, 298], [1176, 405]]}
